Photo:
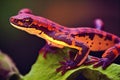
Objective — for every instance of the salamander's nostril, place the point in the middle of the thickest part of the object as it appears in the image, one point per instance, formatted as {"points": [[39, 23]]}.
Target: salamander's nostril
{"points": [[11, 19]]}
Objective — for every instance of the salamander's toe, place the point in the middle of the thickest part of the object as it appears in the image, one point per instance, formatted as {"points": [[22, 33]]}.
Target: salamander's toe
{"points": [[104, 62], [65, 66]]}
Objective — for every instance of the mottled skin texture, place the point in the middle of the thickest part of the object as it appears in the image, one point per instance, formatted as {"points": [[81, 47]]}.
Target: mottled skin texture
{"points": [[82, 40]]}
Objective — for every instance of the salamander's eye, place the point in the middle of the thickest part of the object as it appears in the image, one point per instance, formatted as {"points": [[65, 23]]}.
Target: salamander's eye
{"points": [[27, 21]]}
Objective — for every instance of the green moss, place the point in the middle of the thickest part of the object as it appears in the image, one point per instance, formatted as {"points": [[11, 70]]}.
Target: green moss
{"points": [[45, 69]]}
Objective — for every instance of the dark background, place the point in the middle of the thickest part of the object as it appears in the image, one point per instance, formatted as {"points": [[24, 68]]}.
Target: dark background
{"points": [[23, 48]]}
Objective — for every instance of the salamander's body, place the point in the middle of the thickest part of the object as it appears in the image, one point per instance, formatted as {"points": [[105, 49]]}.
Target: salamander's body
{"points": [[81, 39]]}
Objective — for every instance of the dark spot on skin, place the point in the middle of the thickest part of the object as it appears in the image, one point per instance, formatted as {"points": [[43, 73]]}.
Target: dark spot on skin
{"points": [[108, 37], [81, 34], [116, 40], [107, 44], [91, 35], [100, 35], [60, 30], [73, 35], [87, 42], [90, 45], [99, 43]]}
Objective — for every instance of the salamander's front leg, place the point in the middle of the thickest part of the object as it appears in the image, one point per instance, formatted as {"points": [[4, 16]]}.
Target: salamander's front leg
{"points": [[108, 57], [76, 59], [48, 48]]}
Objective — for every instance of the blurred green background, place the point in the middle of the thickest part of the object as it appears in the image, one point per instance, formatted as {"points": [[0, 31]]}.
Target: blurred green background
{"points": [[23, 48]]}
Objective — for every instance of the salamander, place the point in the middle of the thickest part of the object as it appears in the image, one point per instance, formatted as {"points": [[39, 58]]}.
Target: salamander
{"points": [[82, 39]]}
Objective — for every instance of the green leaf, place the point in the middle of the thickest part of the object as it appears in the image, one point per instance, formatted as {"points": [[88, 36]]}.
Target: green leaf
{"points": [[45, 69]]}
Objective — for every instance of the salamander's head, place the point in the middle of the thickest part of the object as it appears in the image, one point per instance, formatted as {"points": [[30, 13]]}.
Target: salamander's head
{"points": [[28, 22], [23, 19]]}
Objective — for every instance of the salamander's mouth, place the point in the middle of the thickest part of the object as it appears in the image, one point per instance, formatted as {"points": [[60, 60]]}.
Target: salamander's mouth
{"points": [[29, 30], [16, 22], [17, 26], [25, 22]]}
